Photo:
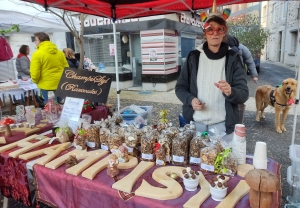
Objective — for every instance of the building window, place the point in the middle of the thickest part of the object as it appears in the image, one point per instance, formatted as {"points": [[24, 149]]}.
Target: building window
{"points": [[274, 13], [294, 38], [283, 9], [264, 15]]}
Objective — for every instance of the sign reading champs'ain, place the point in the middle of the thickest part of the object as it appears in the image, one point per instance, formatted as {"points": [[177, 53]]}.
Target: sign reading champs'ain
{"points": [[84, 84]]}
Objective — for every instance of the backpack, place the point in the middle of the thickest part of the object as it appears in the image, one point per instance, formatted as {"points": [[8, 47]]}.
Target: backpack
{"points": [[234, 45], [5, 50]]}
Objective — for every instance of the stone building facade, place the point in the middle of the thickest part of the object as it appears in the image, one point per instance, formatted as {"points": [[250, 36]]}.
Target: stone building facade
{"points": [[281, 18]]}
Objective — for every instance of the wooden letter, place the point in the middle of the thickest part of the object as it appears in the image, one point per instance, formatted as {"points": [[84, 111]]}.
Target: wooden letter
{"points": [[235, 195], [89, 158], [50, 154], [28, 146], [126, 183], [30, 155], [2, 140], [92, 171], [173, 190], [15, 144], [201, 196], [59, 161]]}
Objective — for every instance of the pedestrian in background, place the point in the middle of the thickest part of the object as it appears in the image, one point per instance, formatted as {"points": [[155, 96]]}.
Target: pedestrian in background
{"points": [[23, 62], [245, 55], [47, 64], [70, 56]]}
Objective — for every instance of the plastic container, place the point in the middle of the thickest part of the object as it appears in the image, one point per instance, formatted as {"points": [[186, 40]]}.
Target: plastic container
{"points": [[129, 118], [295, 157]]}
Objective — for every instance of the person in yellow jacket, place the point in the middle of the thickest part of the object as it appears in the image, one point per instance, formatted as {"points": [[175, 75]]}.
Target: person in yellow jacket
{"points": [[47, 64]]}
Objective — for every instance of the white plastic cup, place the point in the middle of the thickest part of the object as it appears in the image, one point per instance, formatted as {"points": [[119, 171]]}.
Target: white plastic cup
{"points": [[260, 160]]}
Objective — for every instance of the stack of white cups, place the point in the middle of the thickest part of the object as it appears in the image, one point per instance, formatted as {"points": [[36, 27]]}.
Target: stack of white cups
{"points": [[260, 160], [239, 143]]}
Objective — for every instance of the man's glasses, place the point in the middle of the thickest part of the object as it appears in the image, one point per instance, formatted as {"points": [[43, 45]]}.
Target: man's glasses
{"points": [[220, 30]]}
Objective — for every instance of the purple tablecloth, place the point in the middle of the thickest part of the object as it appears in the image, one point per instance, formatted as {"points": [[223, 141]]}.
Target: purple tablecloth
{"points": [[99, 112], [13, 175], [16, 136], [59, 189]]}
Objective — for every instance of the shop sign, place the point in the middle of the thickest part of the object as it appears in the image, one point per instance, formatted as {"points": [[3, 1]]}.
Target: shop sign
{"points": [[190, 20], [106, 21], [84, 84]]}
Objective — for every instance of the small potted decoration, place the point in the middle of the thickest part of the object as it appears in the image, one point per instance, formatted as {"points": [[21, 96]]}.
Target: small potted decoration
{"points": [[190, 179], [218, 188], [6, 123]]}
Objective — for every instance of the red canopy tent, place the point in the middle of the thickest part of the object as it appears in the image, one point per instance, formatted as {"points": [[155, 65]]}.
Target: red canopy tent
{"points": [[122, 9]]}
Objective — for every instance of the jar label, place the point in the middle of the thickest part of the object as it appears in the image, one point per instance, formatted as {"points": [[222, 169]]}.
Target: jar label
{"points": [[104, 147], [147, 156], [159, 162], [91, 144], [178, 158], [129, 149], [168, 158], [207, 167], [195, 160], [114, 151]]}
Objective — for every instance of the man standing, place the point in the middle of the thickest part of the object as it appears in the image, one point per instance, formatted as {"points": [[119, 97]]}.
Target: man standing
{"points": [[245, 55], [47, 64]]}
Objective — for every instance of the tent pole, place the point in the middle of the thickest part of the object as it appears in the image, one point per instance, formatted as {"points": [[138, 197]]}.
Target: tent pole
{"points": [[296, 106], [116, 64]]}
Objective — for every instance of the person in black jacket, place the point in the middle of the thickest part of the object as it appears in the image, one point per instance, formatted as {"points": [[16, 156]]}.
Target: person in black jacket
{"points": [[213, 82], [70, 56], [245, 55]]}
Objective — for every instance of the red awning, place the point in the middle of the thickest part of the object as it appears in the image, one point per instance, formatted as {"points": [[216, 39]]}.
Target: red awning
{"points": [[133, 8]]}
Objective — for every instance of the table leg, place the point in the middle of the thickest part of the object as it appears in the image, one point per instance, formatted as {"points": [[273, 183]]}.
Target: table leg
{"points": [[5, 202], [27, 102], [10, 104]]}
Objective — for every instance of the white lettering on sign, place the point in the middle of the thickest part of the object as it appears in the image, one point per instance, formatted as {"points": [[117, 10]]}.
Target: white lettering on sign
{"points": [[189, 20], [105, 21]]}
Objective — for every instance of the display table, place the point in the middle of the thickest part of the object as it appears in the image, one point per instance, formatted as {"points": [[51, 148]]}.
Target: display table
{"points": [[98, 113], [16, 136], [13, 90], [59, 189]]}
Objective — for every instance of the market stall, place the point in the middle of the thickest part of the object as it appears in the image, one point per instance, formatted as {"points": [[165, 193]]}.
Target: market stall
{"points": [[15, 90], [77, 191]]}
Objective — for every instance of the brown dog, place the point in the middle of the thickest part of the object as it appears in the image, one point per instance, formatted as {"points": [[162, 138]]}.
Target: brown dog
{"points": [[280, 98]]}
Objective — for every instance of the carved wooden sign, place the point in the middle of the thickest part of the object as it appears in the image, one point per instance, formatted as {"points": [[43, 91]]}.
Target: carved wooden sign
{"points": [[84, 84]]}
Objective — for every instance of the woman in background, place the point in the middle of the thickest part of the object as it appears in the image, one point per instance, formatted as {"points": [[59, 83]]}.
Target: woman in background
{"points": [[70, 56], [23, 62]]}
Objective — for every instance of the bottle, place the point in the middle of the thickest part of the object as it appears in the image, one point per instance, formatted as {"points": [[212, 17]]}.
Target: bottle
{"points": [[52, 107]]}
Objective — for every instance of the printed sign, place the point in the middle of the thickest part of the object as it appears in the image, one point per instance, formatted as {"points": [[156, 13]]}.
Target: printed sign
{"points": [[111, 49], [84, 84], [153, 54], [71, 112]]}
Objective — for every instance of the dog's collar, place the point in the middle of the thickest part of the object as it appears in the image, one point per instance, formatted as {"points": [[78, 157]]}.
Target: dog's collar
{"points": [[280, 105], [273, 100]]}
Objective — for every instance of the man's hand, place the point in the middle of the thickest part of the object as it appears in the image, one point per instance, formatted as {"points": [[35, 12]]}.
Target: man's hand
{"points": [[224, 87], [255, 79], [197, 105]]}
